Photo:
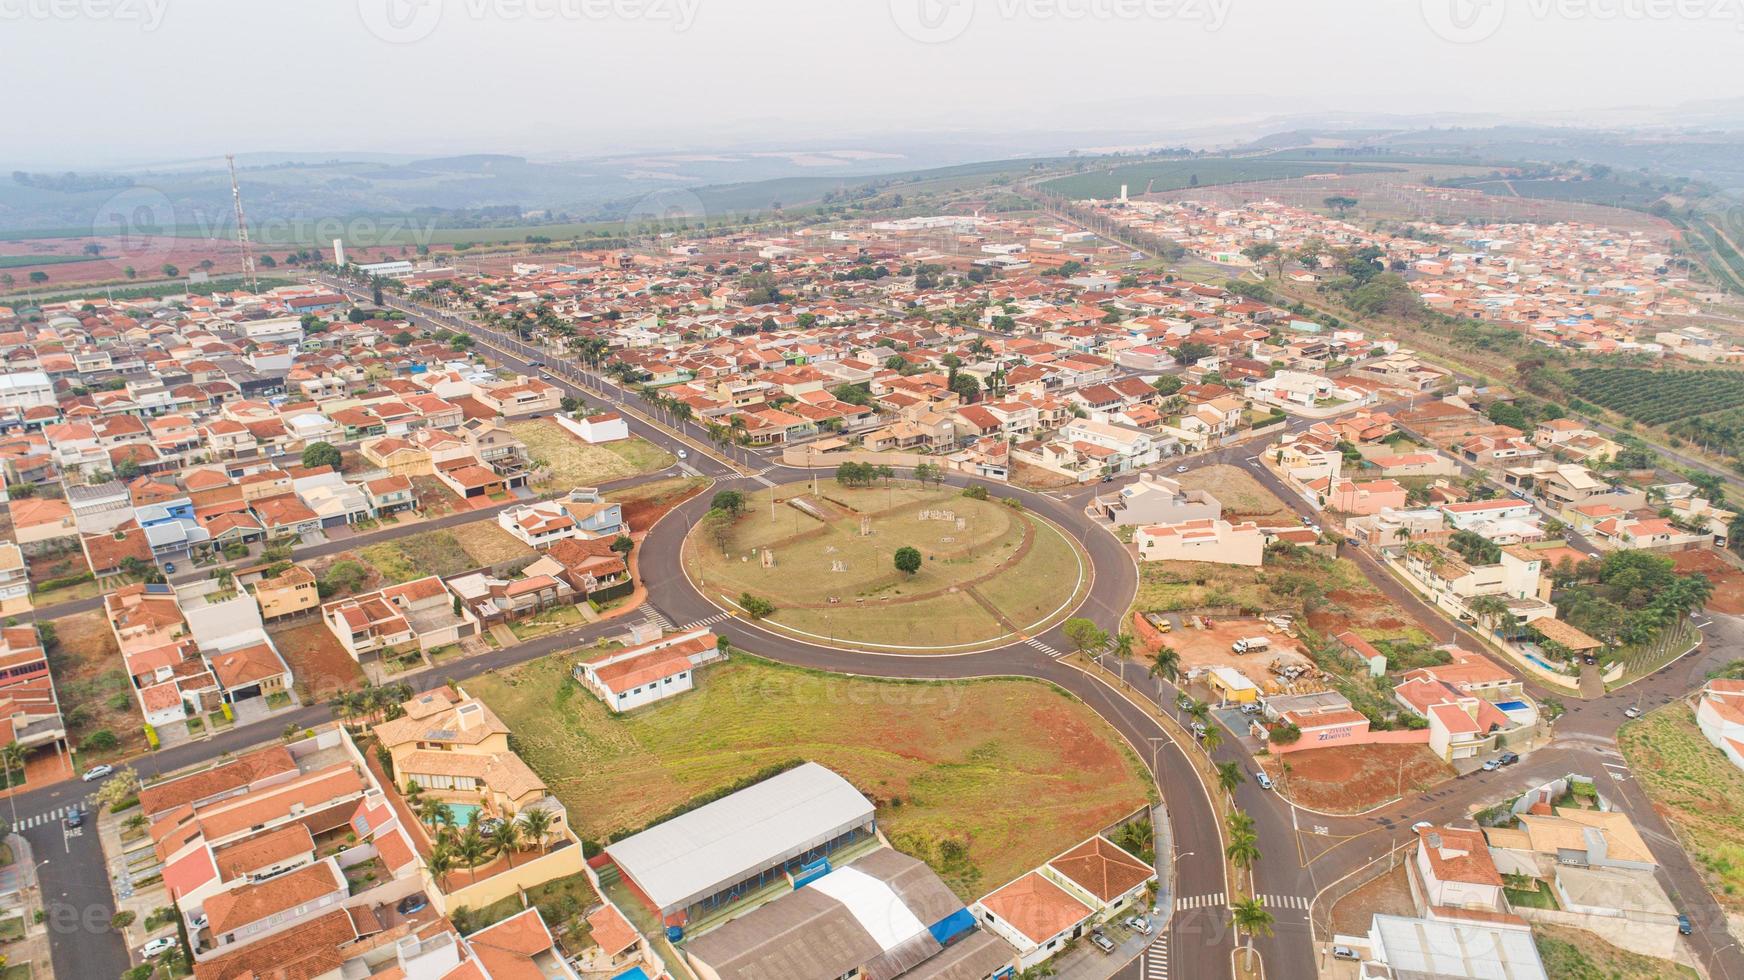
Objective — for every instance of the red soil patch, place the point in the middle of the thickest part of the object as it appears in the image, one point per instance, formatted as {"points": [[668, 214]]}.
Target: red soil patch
{"points": [[1728, 580], [1349, 779], [642, 512], [1079, 746], [320, 665]]}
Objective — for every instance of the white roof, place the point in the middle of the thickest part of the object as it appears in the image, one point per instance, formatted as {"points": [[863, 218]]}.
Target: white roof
{"points": [[874, 904], [712, 847], [1234, 679], [1422, 947]]}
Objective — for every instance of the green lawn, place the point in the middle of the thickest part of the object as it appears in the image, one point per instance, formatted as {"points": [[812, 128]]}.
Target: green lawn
{"points": [[982, 779], [566, 462], [417, 555], [1697, 789], [549, 621], [1529, 893]]}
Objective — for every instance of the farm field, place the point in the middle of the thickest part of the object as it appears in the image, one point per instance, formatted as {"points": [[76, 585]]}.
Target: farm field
{"points": [[1697, 790], [1354, 778], [1168, 175], [1659, 397], [562, 462], [997, 572], [981, 779]]}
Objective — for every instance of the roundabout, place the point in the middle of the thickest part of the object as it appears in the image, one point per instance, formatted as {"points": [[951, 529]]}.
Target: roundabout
{"points": [[984, 571]]}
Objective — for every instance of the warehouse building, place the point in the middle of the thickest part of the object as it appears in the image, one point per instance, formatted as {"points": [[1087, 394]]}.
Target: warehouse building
{"points": [[885, 915], [783, 829]]}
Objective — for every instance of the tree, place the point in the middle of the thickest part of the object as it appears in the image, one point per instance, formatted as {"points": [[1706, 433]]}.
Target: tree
{"points": [[471, 848], [1229, 776], [908, 559], [719, 525], [123, 785], [1212, 738], [1243, 850], [731, 501], [756, 607], [623, 544], [38, 277], [966, 386], [1167, 384], [320, 454], [1251, 917], [507, 839], [1167, 663], [1339, 203], [1085, 635], [170, 271], [536, 825], [440, 863]]}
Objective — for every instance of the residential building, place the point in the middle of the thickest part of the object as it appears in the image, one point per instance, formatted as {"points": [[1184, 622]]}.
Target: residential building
{"points": [[1157, 499], [638, 675], [1216, 541]]}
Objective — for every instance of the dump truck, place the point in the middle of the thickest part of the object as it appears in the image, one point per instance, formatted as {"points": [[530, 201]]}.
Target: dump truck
{"points": [[1251, 644]]}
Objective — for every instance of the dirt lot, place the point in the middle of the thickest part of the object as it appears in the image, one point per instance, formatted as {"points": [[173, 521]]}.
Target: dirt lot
{"points": [[319, 664], [1728, 580], [570, 462], [1202, 649], [1241, 495], [94, 691], [1353, 778], [486, 543], [1389, 893], [417, 555], [649, 502]]}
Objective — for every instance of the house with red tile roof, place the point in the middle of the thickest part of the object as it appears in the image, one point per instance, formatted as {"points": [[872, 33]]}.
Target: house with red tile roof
{"points": [[640, 675]]}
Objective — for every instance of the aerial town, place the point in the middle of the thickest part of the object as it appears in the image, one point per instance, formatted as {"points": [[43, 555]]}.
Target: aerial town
{"points": [[1311, 556]]}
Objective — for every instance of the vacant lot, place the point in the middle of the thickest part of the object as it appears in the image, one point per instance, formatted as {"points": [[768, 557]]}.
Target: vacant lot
{"points": [[486, 543], [562, 461], [1333, 592], [92, 683], [1010, 772], [1242, 496], [1728, 581], [417, 555], [1575, 954], [647, 503], [1350, 779], [986, 571], [1389, 893], [1697, 790], [320, 665]]}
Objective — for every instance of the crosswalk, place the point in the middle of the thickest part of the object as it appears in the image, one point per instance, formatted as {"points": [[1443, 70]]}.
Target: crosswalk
{"points": [[1285, 902], [710, 621], [1211, 901], [760, 478], [1154, 961], [25, 823], [659, 619], [1043, 647]]}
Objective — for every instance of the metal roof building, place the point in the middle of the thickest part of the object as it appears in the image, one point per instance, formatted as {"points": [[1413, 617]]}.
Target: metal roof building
{"points": [[715, 853], [1427, 949]]}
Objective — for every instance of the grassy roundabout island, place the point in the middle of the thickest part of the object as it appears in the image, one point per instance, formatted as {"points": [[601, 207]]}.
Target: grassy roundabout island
{"points": [[827, 562]]}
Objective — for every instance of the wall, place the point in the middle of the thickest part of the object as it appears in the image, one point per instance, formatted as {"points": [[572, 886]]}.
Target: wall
{"points": [[1655, 939], [557, 864], [797, 456], [1417, 737]]}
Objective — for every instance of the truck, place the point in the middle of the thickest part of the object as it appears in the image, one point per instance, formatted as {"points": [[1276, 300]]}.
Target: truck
{"points": [[1251, 644]]}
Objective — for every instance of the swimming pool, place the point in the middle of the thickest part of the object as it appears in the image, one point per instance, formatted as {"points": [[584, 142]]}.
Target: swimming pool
{"points": [[1511, 705], [633, 973], [461, 812]]}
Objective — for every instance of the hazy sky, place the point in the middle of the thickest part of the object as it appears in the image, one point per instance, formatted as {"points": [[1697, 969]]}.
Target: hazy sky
{"points": [[95, 82]]}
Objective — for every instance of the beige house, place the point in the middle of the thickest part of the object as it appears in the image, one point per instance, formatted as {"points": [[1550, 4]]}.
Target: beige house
{"points": [[1212, 540], [292, 591]]}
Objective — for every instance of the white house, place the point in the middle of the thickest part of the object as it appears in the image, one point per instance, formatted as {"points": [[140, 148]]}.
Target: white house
{"points": [[604, 427], [1204, 540], [635, 676], [1720, 714], [1457, 871]]}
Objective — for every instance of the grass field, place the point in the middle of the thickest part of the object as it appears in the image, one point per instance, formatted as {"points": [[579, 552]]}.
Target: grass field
{"points": [[562, 461], [94, 691], [1575, 954], [1333, 592], [1000, 559], [1697, 790], [417, 555], [1242, 496], [486, 543], [1006, 773], [1168, 175]]}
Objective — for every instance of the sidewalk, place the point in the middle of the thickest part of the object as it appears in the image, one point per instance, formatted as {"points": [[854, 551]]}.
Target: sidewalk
{"points": [[135, 857], [21, 875]]}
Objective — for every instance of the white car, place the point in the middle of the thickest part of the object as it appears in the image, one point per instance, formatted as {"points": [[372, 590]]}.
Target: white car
{"points": [[1421, 825], [97, 772], [1264, 780], [1180, 469], [161, 944], [683, 455], [1631, 712], [1139, 924]]}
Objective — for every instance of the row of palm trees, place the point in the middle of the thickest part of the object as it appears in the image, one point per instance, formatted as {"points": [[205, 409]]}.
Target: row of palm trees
{"points": [[371, 703], [471, 846]]}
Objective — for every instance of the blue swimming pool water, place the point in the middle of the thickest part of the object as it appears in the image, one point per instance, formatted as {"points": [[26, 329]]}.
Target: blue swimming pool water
{"points": [[1511, 705], [1540, 661], [462, 812], [633, 973]]}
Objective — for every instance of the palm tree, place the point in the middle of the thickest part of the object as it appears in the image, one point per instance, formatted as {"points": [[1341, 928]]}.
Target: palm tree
{"points": [[1167, 663], [1239, 822], [1212, 738], [507, 838], [440, 863], [1229, 776], [1200, 711], [1243, 851], [536, 824], [472, 848], [1251, 917], [1123, 646], [1489, 610]]}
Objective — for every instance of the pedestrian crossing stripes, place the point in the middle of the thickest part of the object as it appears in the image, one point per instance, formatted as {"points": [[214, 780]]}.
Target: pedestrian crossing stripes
{"points": [[659, 620], [760, 478], [1043, 647], [1156, 959], [1199, 901], [1285, 901], [716, 618], [25, 823]]}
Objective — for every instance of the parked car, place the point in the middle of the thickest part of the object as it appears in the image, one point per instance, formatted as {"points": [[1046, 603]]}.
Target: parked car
{"points": [[1138, 923], [1199, 729], [1683, 925], [169, 568], [1492, 765], [1631, 712], [412, 904], [1102, 942], [1508, 758], [683, 455], [1343, 953], [161, 944], [97, 772], [1421, 825], [1264, 780], [75, 818], [1180, 469]]}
